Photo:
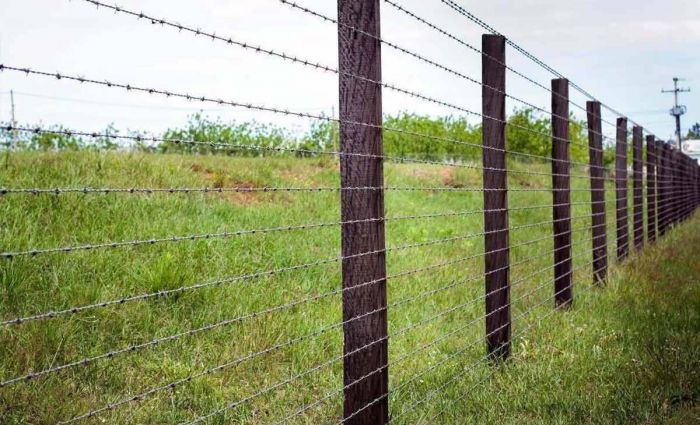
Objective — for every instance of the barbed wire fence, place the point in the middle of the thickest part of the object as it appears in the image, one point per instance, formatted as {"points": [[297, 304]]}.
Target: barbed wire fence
{"points": [[519, 291]]}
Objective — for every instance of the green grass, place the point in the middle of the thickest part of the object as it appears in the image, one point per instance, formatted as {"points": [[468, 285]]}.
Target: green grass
{"points": [[617, 357]]}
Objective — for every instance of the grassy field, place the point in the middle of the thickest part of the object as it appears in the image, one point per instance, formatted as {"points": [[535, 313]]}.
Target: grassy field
{"points": [[625, 354]]}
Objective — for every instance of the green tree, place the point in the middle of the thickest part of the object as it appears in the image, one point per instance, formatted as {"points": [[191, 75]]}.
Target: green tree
{"points": [[207, 136]]}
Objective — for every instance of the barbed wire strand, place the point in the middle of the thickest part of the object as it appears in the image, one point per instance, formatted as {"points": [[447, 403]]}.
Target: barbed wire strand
{"points": [[317, 65], [454, 355], [296, 377], [280, 111], [33, 252], [238, 361], [390, 158], [416, 55], [272, 189], [421, 348], [463, 395], [137, 347], [453, 5], [306, 62], [268, 273], [171, 385], [471, 47]]}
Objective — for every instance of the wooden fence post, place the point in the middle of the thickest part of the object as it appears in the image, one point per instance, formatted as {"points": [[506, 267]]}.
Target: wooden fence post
{"points": [[684, 183], [696, 184], [561, 192], [679, 184], [686, 170], [638, 189], [692, 167], [663, 186], [365, 339], [689, 185], [651, 188], [658, 154], [597, 172], [696, 166], [668, 202], [696, 181], [675, 195], [671, 188], [693, 185], [682, 175], [497, 280], [621, 189]]}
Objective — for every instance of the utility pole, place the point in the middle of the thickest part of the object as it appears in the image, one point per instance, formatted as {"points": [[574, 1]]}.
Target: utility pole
{"points": [[677, 109]]}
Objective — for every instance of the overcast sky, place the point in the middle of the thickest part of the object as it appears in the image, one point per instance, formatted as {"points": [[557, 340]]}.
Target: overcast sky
{"points": [[622, 51]]}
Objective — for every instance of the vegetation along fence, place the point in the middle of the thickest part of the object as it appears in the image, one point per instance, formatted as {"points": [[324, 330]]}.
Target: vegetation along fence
{"points": [[107, 315]]}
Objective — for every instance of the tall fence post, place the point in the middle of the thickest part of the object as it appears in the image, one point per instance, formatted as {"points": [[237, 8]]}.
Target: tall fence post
{"points": [[621, 189], [684, 185], [680, 165], [671, 195], [696, 166], [663, 186], [693, 185], [680, 177], [638, 189], [497, 279], [689, 185], [678, 183], [561, 192], [651, 188], [696, 181], [597, 172], [673, 172], [659, 153], [675, 195], [365, 366]]}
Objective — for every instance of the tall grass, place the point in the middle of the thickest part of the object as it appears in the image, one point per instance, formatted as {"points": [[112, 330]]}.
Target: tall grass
{"points": [[57, 281]]}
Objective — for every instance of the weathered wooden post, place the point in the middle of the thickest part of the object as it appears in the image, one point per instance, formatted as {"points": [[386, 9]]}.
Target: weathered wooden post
{"points": [[673, 189], [621, 189], [561, 193], [663, 186], [497, 280], [638, 189], [365, 339], [651, 188], [597, 172]]}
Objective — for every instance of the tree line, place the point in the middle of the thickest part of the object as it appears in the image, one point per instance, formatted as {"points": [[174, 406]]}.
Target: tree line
{"points": [[450, 138]]}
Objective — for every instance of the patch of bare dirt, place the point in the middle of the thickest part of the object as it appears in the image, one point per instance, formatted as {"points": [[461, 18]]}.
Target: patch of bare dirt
{"points": [[448, 179], [528, 183], [220, 180]]}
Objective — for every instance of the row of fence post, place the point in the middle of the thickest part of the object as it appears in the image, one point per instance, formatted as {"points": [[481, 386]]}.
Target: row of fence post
{"points": [[672, 181]]}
